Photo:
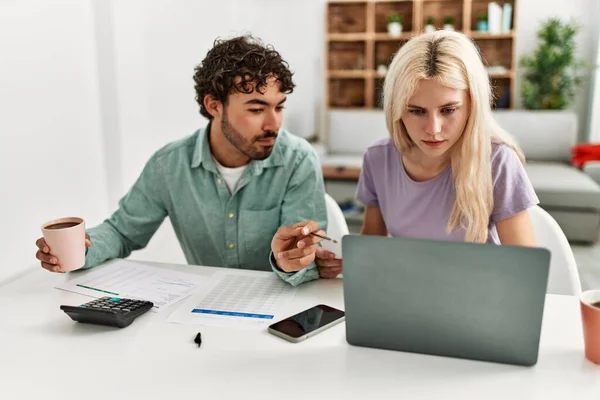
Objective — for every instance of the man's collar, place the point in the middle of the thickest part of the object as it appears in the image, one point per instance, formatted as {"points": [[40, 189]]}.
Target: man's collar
{"points": [[202, 149]]}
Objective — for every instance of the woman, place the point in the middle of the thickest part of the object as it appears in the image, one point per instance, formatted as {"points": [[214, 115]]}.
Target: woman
{"points": [[448, 171]]}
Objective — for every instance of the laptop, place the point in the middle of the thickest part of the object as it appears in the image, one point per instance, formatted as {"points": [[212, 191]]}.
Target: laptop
{"points": [[454, 299]]}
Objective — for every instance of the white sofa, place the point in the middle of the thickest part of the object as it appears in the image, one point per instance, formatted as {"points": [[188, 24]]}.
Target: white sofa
{"points": [[570, 195]]}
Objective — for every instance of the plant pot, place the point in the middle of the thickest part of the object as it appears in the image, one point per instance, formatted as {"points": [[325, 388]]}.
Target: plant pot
{"points": [[482, 26], [394, 29], [382, 70], [429, 28], [448, 27]]}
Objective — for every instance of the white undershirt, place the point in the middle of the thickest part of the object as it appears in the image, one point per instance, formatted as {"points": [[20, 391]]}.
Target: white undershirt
{"points": [[231, 175]]}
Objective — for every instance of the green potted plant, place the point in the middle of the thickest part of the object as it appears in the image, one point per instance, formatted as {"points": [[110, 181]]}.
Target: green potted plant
{"points": [[449, 22], [394, 24], [482, 23], [550, 77], [429, 24]]}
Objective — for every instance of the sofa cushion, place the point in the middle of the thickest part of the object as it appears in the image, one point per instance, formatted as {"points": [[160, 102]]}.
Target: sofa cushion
{"points": [[562, 186], [542, 134], [353, 131]]}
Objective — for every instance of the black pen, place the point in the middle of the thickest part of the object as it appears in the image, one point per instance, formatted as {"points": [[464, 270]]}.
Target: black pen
{"points": [[323, 237]]}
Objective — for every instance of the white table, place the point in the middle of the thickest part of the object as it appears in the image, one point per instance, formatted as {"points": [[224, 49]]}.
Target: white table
{"points": [[43, 354]]}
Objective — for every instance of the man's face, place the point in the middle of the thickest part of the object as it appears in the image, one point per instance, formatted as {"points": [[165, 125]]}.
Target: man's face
{"points": [[252, 121]]}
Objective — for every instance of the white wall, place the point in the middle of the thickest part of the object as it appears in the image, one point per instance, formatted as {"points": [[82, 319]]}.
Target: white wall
{"points": [[531, 13], [50, 149]]}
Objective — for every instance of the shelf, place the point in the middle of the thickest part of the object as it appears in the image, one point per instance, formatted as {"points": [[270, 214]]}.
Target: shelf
{"points": [[383, 9], [479, 7], [494, 75], [347, 92], [341, 173], [496, 52], [502, 75], [357, 43], [439, 9], [350, 37], [387, 37], [502, 92], [346, 56], [347, 37], [378, 92], [341, 73], [347, 18], [385, 50], [487, 35]]}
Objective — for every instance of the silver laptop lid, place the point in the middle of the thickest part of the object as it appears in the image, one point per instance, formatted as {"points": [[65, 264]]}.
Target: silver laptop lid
{"points": [[454, 299]]}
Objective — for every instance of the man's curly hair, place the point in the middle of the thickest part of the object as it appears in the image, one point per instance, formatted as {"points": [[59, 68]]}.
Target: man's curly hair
{"points": [[242, 57]]}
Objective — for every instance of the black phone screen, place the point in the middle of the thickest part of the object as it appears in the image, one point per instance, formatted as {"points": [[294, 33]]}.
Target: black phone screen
{"points": [[308, 320]]}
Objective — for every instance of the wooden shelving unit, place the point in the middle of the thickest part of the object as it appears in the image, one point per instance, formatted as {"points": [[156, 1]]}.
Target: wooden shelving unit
{"points": [[357, 43]]}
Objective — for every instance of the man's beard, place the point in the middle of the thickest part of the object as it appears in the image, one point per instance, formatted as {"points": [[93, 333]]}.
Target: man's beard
{"points": [[244, 145]]}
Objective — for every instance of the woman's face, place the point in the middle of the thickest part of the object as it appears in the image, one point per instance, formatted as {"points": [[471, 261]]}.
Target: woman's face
{"points": [[436, 116]]}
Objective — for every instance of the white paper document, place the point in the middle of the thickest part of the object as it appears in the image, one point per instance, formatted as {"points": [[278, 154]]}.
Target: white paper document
{"points": [[237, 299], [129, 279]]}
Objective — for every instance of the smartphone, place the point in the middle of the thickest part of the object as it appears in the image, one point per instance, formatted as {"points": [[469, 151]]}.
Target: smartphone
{"points": [[307, 323]]}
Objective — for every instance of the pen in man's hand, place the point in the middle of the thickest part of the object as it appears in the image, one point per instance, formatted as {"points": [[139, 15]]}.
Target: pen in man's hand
{"points": [[323, 237]]}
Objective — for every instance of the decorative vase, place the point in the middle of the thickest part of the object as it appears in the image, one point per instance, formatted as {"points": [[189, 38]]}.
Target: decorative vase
{"points": [[429, 28], [394, 29]]}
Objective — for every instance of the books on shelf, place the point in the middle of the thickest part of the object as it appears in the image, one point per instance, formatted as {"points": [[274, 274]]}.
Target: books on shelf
{"points": [[496, 69], [494, 18], [499, 17], [506, 17]]}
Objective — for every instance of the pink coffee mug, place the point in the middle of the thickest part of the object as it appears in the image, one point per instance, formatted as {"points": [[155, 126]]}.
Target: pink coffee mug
{"points": [[590, 317], [66, 239]]}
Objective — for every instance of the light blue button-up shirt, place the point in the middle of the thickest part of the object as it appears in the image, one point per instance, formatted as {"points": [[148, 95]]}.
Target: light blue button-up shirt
{"points": [[216, 227]]}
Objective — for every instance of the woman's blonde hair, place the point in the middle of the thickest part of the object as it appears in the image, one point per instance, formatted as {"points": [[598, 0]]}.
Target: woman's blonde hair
{"points": [[451, 59]]}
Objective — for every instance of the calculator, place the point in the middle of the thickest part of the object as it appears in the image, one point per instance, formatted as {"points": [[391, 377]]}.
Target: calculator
{"points": [[111, 311]]}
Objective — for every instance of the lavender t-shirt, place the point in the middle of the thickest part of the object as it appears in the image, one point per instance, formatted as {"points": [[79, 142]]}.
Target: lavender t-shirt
{"points": [[422, 209]]}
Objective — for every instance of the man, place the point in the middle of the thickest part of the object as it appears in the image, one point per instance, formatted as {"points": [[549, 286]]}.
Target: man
{"points": [[240, 193]]}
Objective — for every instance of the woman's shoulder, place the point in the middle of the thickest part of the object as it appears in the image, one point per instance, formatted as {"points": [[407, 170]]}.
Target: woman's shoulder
{"points": [[381, 147], [381, 153], [505, 161], [503, 153]]}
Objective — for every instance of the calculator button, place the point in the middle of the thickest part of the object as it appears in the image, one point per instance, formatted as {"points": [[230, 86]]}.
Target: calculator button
{"points": [[126, 310]]}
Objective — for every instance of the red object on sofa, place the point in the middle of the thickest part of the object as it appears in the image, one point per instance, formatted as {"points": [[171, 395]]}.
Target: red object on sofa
{"points": [[584, 152]]}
